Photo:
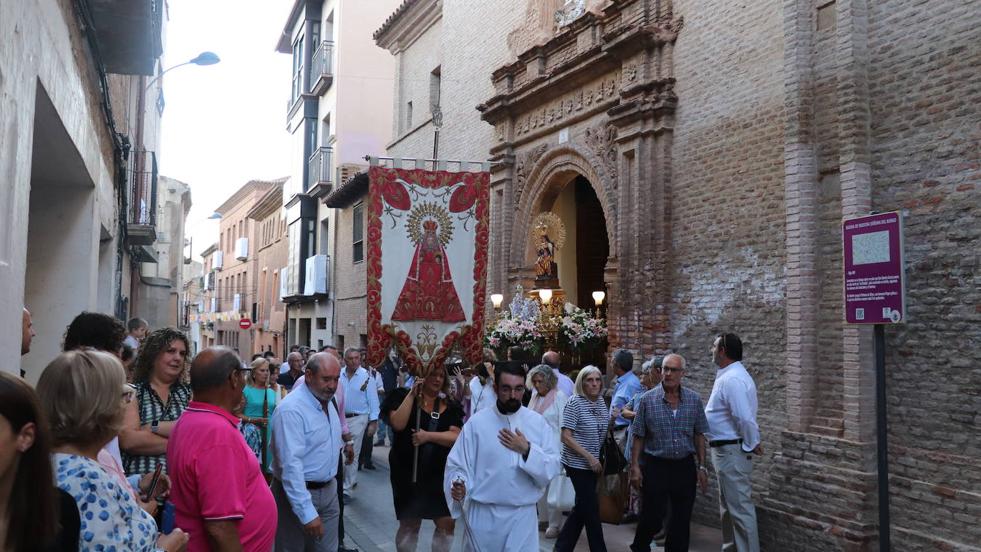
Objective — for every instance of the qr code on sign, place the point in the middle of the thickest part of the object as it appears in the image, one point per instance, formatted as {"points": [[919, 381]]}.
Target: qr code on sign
{"points": [[859, 314]]}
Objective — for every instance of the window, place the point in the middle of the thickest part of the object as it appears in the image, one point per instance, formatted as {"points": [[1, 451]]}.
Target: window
{"points": [[322, 323], [434, 86], [297, 69], [358, 233], [408, 116], [324, 228]]}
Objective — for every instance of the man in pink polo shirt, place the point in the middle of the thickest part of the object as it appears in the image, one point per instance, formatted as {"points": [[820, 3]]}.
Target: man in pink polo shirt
{"points": [[220, 496]]}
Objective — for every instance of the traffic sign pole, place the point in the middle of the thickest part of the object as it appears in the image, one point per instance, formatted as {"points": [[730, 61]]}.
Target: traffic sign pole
{"points": [[882, 451]]}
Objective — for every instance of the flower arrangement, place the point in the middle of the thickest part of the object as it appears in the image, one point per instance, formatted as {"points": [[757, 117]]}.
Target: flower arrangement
{"points": [[579, 329], [518, 325]]}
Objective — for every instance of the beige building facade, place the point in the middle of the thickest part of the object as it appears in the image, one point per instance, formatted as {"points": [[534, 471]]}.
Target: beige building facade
{"points": [[236, 280], [79, 143], [702, 157], [339, 111], [271, 255]]}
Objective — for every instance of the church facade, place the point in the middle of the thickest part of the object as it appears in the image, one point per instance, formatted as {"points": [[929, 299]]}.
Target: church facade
{"points": [[701, 157]]}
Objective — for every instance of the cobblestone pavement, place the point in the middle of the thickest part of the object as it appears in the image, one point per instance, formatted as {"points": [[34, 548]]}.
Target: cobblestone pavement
{"points": [[369, 520]]}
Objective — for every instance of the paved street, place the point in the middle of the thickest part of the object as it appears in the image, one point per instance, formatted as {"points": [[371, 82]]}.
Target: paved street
{"points": [[370, 520]]}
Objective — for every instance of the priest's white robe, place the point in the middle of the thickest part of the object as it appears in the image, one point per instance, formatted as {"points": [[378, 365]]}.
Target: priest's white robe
{"points": [[503, 488]]}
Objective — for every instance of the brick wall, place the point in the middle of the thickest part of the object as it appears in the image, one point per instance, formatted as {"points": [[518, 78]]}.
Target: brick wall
{"points": [[350, 307], [925, 90]]}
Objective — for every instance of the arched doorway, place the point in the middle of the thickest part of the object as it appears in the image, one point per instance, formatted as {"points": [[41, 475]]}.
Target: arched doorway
{"points": [[582, 258]]}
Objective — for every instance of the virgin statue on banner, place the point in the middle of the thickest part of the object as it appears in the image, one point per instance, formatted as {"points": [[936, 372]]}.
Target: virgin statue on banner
{"points": [[428, 292]]}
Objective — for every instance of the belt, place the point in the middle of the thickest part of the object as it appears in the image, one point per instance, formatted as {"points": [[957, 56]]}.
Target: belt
{"points": [[725, 442], [314, 485], [351, 415]]}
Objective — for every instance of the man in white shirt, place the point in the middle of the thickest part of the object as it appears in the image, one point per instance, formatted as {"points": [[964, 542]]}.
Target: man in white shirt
{"points": [[733, 438], [360, 408], [499, 468], [482, 388]]}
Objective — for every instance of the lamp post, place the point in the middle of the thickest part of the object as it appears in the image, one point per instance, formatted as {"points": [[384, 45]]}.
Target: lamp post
{"points": [[598, 297], [204, 58]]}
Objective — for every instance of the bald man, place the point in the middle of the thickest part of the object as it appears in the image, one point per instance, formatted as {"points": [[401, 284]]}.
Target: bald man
{"points": [[28, 333], [307, 443], [554, 359], [219, 493]]}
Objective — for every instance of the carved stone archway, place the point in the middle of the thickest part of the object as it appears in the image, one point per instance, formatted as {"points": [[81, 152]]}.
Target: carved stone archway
{"points": [[542, 185]]}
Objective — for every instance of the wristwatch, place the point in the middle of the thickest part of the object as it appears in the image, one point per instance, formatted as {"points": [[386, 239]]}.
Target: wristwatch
{"points": [[155, 426]]}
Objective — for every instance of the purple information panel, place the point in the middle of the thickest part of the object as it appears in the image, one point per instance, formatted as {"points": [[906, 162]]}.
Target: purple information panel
{"points": [[875, 280]]}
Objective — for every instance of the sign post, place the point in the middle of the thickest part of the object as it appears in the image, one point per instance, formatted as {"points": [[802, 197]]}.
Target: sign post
{"points": [[875, 293], [245, 323]]}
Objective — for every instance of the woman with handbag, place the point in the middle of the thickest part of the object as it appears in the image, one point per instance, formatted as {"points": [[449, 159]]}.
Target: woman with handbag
{"points": [[550, 402], [426, 422], [585, 422]]}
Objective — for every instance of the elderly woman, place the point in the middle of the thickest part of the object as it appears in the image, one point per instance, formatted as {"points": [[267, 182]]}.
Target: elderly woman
{"points": [[585, 422], [260, 401], [84, 393], [549, 401], [161, 397]]}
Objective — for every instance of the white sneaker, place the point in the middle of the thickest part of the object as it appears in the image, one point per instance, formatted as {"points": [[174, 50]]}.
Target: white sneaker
{"points": [[552, 532]]}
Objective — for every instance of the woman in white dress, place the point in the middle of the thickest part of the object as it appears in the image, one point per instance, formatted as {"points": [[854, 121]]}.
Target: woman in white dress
{"points": [[549, 401]]}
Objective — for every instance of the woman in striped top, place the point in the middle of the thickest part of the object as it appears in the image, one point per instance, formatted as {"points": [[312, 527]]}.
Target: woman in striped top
{"points": [[584, 424]]}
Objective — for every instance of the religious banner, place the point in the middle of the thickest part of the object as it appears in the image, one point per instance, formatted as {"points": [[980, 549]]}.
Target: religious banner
{"points": [[427, 264]]}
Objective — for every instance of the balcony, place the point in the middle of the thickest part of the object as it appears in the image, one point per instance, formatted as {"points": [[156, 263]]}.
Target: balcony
{"points": [[322, 68], [219, 260], [129, 33], [320, 170], [284, 288], [316, 276], [141, 217], [242, 249]]}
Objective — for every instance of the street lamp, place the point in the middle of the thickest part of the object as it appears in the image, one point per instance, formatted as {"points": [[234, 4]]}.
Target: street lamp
{"points": [[204, 58]]}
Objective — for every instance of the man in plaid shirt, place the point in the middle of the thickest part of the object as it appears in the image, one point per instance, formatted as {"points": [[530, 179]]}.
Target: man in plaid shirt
{"points": [[667, 457]]}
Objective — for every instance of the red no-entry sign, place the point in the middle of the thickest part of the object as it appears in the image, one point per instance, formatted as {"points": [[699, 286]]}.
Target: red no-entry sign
{"points": [[245, 323]]}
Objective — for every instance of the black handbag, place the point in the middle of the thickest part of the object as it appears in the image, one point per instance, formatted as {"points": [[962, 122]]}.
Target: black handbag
{"points": [[611, 456]]}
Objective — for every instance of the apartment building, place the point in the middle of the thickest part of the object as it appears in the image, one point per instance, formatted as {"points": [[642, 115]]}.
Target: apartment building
{"points": [[78, 128], [235, 277], [213, 260], [158, 285], [192, 306], [271, 255], [338, 111]]}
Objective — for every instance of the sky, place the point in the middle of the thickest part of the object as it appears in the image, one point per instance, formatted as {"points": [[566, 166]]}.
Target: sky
{"points": [[224, 124]]}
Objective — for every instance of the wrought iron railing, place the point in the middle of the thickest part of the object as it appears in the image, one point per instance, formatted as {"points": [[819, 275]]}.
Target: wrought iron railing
{"points": [[143, 188], [320, 167]]}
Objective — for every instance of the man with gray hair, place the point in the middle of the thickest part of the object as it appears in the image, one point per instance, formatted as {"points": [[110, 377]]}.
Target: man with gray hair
{"points": [[361, 408], [295, 372], [668, 457], [219, 494], [554, 361], [306, 440]]}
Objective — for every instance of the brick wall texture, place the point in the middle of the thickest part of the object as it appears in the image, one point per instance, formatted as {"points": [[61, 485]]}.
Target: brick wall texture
{"points": [[742, 134]]}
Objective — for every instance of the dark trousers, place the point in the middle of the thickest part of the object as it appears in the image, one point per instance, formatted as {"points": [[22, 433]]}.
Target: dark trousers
{"points": [[367, 447], [584, 513], [666, 482], [340, 499]]}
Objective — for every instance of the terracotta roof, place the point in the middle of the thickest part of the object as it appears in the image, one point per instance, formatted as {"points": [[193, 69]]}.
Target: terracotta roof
{"points": [[406, 4], [346, 194]]}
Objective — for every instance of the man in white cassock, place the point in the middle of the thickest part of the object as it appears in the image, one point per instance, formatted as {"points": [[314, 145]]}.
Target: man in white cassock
{"points": [[499, 468]]}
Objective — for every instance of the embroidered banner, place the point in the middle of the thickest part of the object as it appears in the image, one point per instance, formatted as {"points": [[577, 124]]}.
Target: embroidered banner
{"points": [[427, 264]]}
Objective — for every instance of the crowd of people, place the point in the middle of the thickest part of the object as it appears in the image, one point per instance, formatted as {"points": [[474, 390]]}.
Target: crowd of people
{"points": [[127, 443]]}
